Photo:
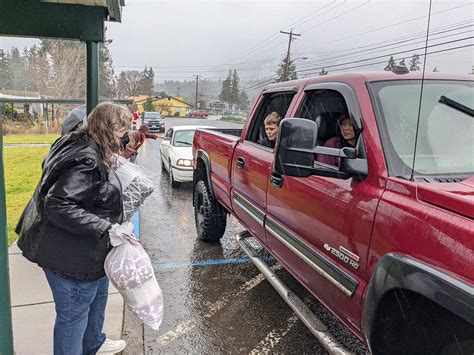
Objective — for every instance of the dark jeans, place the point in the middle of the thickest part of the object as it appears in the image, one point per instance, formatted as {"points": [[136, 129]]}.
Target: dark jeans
{"points": [[80, 311]]}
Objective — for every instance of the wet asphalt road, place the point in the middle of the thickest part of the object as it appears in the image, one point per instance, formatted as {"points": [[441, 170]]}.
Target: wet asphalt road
{"points": [[214, 302]]}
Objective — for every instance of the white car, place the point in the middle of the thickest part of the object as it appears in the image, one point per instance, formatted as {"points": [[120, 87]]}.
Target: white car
{"points": [[176, 153]]}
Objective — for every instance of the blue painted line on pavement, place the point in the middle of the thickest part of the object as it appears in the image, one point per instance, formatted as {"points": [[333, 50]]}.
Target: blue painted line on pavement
{"points": [[206, 263], [136, 224]]}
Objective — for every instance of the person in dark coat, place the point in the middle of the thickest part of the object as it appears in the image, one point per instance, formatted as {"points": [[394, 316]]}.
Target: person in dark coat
{"points": [[64, 228]]}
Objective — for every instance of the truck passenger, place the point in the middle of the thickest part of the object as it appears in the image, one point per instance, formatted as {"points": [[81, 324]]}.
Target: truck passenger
{"points": [[271, 123], [346, 138]]}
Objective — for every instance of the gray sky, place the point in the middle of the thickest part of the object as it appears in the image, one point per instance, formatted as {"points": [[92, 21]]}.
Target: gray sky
{"points": [[182, 38]]}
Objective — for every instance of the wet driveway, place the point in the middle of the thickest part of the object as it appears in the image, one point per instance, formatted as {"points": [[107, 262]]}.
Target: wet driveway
{"points": [[216, 301]]}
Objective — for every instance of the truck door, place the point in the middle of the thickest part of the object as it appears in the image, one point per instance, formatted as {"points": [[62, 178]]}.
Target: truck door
{"points": [[319, 226], [252, 161]]}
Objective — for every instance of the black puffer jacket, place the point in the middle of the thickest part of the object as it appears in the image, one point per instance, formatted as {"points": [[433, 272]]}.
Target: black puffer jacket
{"points": [[64, 226]]}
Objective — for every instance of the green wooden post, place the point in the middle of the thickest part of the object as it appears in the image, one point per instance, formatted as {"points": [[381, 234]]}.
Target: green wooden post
{"points": [[6, 333], [92, 85]]}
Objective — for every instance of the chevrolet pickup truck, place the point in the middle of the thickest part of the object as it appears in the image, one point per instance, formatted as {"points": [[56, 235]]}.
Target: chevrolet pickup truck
{"points": [[383, 237]]}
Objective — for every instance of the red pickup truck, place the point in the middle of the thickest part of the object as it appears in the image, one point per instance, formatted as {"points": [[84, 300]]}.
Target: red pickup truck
{"points": [[383, 237]]}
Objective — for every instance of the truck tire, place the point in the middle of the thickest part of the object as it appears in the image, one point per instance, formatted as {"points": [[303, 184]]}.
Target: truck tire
{"points": [[209, 215], [411, 324]]}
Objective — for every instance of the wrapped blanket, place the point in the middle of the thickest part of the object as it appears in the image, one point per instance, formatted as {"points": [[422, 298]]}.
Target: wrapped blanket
{"points": [[136, 185], [129, 268]]}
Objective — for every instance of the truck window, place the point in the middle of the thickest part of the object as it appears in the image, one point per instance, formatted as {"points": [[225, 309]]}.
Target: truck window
{"points": [[278, 102], [325, 108]]}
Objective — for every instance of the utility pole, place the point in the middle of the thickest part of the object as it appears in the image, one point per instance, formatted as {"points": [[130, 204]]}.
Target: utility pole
{"points": [[197, 86], [285, 73]]}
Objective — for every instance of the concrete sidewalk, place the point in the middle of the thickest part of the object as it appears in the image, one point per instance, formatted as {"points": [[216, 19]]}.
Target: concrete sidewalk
{"points": [[33, 308]]}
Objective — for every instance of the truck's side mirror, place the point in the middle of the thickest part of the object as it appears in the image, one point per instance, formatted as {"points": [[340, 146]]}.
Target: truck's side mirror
{"points": [[297, 149], [297, 138]]}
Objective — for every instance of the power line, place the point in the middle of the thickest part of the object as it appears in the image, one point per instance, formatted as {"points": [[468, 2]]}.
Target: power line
{"points": [[273, 37], [441, 29], [385, 27], [335, 17], [373, 51], [384, 61], [385, 55]]}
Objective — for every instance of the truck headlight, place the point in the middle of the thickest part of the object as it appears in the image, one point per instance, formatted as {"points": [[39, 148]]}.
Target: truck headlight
{"points": [[184, 162]]}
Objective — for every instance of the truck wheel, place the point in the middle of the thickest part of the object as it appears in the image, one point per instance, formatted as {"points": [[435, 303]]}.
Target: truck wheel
{"points": [[210, 216], [425, 327], [174, 184]]}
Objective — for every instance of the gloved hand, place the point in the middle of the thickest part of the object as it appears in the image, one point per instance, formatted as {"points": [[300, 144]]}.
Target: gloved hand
{"points": [[120, 233]]}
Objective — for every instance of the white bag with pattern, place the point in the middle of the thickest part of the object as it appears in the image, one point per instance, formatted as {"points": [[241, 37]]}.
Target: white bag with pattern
{"points": [[129, 268]]}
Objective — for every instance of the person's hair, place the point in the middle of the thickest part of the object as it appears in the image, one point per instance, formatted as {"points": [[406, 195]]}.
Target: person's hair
{"points": [[273, 118], [101, 123], [144, 128]]}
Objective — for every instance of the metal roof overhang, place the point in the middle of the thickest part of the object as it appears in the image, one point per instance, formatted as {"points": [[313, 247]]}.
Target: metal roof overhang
{"points": [[69, 19]]}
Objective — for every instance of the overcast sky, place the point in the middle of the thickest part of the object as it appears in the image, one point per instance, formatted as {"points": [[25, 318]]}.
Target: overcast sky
{"points": [[182, 38]]}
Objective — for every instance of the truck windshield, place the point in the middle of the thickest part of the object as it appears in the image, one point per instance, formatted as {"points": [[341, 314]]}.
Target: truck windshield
{"points": [[152, 116], [445, 144]]}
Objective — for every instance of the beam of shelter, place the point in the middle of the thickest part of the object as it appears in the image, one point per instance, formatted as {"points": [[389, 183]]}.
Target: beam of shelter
{"points": [[32, 18]]}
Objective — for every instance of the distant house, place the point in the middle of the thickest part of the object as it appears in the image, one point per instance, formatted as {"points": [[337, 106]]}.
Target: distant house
{"points": [[167, 106], [217, 105]]}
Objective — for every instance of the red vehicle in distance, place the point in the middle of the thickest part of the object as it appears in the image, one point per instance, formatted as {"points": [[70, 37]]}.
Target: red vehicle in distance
{"points": [[200, 113]]}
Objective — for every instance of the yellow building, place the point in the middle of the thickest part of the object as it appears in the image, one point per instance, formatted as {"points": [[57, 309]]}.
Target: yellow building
{"points": [[167, 106]]}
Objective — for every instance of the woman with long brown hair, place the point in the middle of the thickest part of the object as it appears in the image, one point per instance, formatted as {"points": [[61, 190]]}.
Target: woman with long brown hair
{"points": [[64, 228]]}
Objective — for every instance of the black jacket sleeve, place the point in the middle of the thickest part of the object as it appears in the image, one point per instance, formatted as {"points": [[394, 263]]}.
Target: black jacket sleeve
{"points": [[69, 201]]}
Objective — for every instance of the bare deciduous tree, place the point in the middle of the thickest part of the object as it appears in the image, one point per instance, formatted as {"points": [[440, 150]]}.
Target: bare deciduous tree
{"points": [[129, 83]]}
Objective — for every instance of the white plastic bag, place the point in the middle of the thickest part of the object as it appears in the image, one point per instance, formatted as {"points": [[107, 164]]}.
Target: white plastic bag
{"points": [[129, 268], [137, 185]]}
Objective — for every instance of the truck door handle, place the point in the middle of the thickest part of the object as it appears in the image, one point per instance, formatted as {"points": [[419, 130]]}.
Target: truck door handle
{"points": [[276, 180], [240, 162]]}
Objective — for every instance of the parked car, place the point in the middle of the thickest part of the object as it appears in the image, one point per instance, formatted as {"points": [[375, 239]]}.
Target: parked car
{"points": [[154, 120], [384, 236], [200, 113], [176, 153]]}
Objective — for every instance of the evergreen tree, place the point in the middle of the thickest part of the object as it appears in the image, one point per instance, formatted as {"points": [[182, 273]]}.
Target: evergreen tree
{"points": [[149, 105], [243, 101], [280, 73], [5, 71], [226, 91], [391, 64], [435, 70], [323, 72], [234, 89], [402, 63], [147, 81], [414, 62]]}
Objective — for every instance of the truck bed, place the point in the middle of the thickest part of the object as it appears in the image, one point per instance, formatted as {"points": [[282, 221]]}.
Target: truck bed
{"points": [[219, 144]]}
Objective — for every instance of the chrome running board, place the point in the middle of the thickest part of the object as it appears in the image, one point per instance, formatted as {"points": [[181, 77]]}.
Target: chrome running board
{"points": [[313, 323]]}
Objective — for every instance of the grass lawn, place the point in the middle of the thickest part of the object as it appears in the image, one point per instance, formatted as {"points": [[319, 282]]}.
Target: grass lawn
{"points": [[30, 138], [22, 174]]}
